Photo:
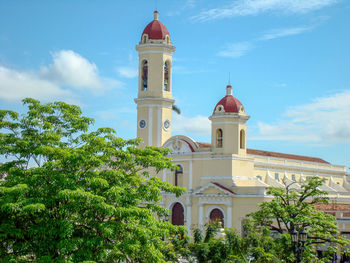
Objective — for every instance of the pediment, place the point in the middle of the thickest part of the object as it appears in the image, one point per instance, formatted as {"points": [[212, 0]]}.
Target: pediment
{"points": [[181, 144], [214, 188]]}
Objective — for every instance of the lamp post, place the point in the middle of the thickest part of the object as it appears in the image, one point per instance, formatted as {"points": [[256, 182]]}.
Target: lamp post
{"points": [[299, 240]]}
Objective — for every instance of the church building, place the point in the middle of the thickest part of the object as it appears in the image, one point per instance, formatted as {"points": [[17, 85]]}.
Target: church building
{"points": [[224, 179]]}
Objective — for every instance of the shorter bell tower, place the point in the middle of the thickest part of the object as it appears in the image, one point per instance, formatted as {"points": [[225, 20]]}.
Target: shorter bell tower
{"points": [[229, 126], [154, 100]]}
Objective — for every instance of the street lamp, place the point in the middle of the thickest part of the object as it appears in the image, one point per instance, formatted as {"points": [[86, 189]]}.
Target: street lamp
{"points": [[298, 240]]}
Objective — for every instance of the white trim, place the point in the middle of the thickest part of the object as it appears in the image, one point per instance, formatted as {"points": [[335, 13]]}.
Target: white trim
{"points": [[209, 185], [190, 175], [214, 202], [229, 217], [154, 99], [229, 115], [156, 52], [230, 122], [218, 177], [213, 158], [296, 160], [200, 216], [189, 219], [154, 105], [159, 123], [150, 132], [310, 171]]}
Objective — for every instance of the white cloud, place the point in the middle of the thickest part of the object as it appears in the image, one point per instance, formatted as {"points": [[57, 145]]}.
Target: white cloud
{"points": [[68, 70], [199, 125], [127, 72], [16, 85], [255, 7], [283, 32], [71, 69], [325, 120], [235, 50]]}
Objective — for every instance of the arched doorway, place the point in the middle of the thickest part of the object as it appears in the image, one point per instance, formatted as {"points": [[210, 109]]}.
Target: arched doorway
{"points": [[177, 215], [216, 215]]}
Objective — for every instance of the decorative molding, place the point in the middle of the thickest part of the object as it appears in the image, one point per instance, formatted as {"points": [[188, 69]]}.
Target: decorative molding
{"points": [[154, 99], [218, 177], [212, 158], [295, 160], [203, 188], [154, 105], [298, 169]]}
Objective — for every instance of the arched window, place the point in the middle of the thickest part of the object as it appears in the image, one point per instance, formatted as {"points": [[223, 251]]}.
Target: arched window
{"points": [[144, 39], [242, 139], [177, 215], [166, 76], [178, 173], [144, 84], [167, 39], [216, 215], [218, 138]]}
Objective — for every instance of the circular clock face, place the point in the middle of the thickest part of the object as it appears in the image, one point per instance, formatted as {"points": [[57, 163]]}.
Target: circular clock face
{"points": [[142, 124], [166, 124]]}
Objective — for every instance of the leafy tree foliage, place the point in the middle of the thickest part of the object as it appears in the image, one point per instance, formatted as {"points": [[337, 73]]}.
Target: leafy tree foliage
{"points": [[290, 210], [68, 194], [215, 245]]}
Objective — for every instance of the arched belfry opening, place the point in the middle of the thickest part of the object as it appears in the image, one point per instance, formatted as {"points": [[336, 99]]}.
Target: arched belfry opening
{"points": [[177, 214], [216, 215], [166, 76], [242, 139], [144, 39], [219, 138], [144, 84]]}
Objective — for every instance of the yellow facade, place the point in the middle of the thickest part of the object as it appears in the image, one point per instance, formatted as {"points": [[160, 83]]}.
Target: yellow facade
{"points": [[223, 175]]}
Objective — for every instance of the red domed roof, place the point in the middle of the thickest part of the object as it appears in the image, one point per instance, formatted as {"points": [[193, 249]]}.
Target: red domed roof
{"points": [[155, 29], [230, 103]]}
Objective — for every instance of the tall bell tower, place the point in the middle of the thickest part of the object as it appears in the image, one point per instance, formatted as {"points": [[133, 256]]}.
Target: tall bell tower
{"points": [[154, 100], [229, 126]]}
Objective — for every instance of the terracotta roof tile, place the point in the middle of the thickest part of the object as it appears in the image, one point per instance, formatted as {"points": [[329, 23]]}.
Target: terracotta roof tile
{"points": [[223, 187], [286, 156], [204, 145], [274, 154]]}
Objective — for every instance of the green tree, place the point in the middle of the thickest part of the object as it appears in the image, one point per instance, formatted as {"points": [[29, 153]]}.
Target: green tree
{"points": [[68, 194], [216, 246], [290, 210]]}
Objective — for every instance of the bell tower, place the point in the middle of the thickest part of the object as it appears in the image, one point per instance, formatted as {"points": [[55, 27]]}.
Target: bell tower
{"points": [[229, 126], [154, 100]]}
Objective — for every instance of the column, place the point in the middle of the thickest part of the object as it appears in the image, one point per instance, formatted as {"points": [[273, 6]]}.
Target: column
{"points": [[229, 216], [200, 216]]}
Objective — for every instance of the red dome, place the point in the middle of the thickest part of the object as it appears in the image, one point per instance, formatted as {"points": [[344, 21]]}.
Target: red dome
{"points": [[230, 103], [155, 29]]}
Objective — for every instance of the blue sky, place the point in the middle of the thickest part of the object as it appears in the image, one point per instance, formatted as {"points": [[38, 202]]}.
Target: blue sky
{"points": [[289, 62]]}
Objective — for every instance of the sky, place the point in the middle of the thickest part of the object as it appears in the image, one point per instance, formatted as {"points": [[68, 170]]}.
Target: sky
{"points": [[288, 62]]}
